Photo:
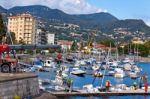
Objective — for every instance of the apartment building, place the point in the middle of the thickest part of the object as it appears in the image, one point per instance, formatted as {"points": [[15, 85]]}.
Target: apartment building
{"points": [[24, 27], [41, 37]]}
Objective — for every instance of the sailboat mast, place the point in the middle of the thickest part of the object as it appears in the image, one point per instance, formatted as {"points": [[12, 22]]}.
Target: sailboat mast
{"points": [[107, 57]]}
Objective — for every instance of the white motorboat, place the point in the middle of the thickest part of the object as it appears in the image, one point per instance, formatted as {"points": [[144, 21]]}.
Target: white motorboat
{"points": [[89, 89], [136, 69], [58, 80], [133, 75], [111, 73], [77, 71], [95, 67], [126, 60], [59, 88], [49, 63], [127, 67], [119, 88], [82, 62], [77, 63], [119, 73], [114, 64]]}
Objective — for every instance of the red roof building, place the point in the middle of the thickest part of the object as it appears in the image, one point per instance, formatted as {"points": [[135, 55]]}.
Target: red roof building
{"points": [[65, 44]]}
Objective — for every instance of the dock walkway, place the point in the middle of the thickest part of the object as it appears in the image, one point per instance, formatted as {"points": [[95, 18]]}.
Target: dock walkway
{"points": [[86, 94]]}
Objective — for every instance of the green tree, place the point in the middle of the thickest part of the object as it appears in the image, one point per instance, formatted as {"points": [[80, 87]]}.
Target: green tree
{"points": [[2, 29], [74, 46], [144, 51], [29, 51], [108, 42], [147, 44], [121, 50], [21, 41], [133, 48]]}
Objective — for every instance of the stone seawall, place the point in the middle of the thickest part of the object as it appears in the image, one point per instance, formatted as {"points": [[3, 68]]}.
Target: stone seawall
{"points": [[22, 85]]}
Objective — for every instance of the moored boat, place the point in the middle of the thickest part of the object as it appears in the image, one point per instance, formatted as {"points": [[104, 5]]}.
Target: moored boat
{"points": [[77, 71]]}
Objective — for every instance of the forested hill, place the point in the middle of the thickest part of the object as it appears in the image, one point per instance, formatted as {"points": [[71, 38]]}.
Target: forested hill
{"points": [[102, 21]]}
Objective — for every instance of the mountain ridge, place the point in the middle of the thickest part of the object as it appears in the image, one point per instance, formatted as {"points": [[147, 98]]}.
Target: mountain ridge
{"points": [[102, 21]]}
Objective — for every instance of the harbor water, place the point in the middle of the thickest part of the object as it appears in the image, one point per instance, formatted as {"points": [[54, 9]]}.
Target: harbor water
{"points": [[79, 81]]}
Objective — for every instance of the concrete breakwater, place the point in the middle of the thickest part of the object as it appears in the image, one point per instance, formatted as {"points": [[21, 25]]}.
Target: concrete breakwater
{"points": [[29, 59], [20, 84], [144, 59]]}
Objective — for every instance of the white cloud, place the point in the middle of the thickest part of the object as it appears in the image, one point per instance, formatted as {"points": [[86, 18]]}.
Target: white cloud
{"points": [[147, 22], [68, 6]]}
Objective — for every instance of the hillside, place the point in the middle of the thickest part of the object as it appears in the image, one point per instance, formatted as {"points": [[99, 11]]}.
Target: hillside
{"points": [[131, 24], [104, 22], [85, 21], [2, 10]]}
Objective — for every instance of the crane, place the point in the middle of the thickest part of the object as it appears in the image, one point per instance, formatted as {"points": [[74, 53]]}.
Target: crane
{"points": [[87, 49]]}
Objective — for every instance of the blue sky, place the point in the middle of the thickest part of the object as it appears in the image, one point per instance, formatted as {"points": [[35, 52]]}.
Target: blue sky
{"points": [[122, 9], [125, 9]]}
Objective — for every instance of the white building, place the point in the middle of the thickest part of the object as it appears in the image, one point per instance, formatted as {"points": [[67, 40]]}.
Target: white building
{"points": [[50, 38]]}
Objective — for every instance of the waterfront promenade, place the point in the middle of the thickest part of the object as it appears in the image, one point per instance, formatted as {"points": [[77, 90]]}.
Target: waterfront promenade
{"points": [[87, 94]]}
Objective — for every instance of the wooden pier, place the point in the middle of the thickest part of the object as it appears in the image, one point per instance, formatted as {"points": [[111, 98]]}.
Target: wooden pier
{"points": [[87, 94]]}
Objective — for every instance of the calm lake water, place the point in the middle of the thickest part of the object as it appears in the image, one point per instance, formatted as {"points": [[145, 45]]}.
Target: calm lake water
{"points": [[88, 79]]}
